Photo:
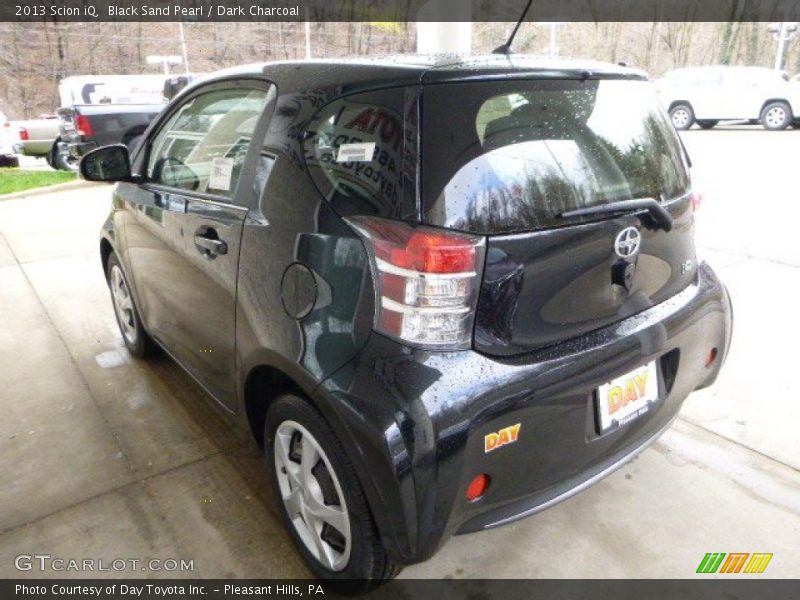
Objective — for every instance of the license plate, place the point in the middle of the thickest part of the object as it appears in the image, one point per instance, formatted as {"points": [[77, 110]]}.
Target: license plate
{"points": [[626, 397]]}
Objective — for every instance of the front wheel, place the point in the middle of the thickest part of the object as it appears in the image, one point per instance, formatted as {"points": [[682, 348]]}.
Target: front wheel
{"points": [[321, 499], [136, 339], [682, 116], [776, 115]]}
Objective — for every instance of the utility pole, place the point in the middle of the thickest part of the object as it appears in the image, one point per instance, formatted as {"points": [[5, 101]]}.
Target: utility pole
{"points": [[444, 27], [183, 47], [783, 32], [308, 36], [553, 49]]}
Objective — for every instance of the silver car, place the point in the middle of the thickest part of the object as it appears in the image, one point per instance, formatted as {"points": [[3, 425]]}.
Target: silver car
{"points": [[708, 95]]}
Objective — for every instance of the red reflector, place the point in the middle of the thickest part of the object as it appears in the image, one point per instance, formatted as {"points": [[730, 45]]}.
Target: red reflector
{"points": [[712, 356], [23, 134], [477, 487], [83, 126], [696, 200]]}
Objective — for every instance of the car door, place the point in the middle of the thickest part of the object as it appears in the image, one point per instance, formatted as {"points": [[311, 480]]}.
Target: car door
{"points": [[736, 93], [187, 216], [708, 97]]}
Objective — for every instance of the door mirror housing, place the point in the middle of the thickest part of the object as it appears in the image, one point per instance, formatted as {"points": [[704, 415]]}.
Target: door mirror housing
{"points": [[107, 163]]}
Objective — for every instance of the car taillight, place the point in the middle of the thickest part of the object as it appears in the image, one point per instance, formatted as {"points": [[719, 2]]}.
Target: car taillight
{"points": [[83, 126], [696, 200], [23, 134], [426, 281]]}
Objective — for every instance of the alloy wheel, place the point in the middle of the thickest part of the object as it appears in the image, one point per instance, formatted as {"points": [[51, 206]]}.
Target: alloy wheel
{"points": [[775, 116], [680, 118], [312, 495], [123, 305]]}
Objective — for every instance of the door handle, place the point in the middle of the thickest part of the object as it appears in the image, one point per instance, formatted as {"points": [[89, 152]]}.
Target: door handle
{"points": [[208, 243]]}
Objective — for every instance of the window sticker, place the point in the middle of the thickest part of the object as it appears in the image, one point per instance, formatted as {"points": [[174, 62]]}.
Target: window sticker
{"points": [[362, 152], [221, 172]]}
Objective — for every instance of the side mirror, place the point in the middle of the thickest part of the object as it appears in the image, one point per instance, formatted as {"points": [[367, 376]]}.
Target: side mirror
{"points": [[107, 163]]}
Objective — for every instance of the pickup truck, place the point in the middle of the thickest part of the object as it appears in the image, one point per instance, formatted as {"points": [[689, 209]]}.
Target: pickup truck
{"points": [[87, 126], [36, 136]]}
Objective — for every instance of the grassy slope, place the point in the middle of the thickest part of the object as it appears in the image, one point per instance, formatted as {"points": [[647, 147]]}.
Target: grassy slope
{"points": [[18, 180]]}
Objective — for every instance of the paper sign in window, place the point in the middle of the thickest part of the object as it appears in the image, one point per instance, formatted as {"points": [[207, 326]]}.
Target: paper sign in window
{"points": [[362, 152], [221, 173]]}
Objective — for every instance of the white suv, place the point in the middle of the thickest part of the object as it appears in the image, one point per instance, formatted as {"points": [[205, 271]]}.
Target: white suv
{"points": [[708, 95]]}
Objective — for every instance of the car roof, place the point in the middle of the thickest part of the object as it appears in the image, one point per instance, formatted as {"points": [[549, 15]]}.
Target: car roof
{"points": [[412, 69]]}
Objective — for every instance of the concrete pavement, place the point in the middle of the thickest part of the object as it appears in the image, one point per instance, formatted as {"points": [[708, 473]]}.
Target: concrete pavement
{"points": [[108, 457]]}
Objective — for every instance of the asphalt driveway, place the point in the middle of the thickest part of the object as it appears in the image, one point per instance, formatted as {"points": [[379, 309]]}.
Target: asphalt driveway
{"points": [[105, 456]]}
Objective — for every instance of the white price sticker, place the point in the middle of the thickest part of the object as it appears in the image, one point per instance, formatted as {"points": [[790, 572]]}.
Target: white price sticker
{"points": [[362, 152], [221, 173]]}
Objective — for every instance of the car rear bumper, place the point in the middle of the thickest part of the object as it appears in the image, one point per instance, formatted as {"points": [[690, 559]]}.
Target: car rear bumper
{"points": [[414, 422], [33, 148], [75, 148]]}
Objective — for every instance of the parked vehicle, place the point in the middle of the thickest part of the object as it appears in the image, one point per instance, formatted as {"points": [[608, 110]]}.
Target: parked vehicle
{"points": [[36, 136], [84, 127], [7, 158], [708, 95], [442, 294], [112, 89]]}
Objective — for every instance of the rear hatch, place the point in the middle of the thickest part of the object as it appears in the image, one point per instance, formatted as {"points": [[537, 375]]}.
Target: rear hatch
{"points": [[513, 159]]}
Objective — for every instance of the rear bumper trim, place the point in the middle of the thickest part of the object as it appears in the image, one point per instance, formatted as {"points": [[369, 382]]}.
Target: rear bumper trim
{"points": [[629, 455]]}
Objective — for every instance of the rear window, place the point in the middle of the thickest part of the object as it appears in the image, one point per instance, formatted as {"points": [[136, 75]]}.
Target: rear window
{"points": [[512, 156], [361, 152]]}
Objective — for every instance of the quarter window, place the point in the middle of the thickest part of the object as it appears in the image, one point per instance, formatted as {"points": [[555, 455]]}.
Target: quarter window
{"points": [[202, 147]]}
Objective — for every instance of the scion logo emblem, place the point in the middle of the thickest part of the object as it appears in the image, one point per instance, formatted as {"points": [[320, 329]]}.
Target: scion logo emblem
{"points": [[627, 242]]}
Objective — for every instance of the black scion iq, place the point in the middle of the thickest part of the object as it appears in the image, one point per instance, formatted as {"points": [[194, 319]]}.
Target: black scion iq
{"points": [[441, 294]]}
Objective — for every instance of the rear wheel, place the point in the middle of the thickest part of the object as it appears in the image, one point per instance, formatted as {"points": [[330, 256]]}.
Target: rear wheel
{"points": [[136, 339], [682, 116], [9, 161], [321, 499], [707, 124], [776, 115]]}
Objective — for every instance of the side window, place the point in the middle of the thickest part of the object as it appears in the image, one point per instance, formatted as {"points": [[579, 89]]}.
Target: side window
{"points": [[360, 151], [202, 147]]}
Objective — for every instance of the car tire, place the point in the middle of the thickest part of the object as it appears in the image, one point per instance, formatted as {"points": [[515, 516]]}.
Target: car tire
{"points": [[776, 115], [137, 340], [352, 561], [9, 161], [707, 124], [682, 116]]}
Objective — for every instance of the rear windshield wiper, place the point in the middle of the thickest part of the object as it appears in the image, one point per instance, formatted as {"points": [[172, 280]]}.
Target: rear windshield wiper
{"points": [[659, 214]]}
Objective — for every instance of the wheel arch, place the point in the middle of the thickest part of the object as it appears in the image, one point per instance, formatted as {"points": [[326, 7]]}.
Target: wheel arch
{"points": [[772, 100], [105, 251], [675, 103], [263, 385]]}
